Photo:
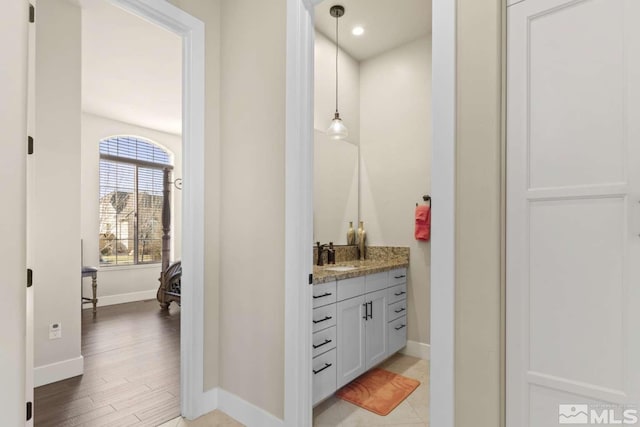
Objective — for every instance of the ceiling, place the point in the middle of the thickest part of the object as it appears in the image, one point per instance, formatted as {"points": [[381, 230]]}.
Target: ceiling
{"points": [[131, 69], [387, 24]]}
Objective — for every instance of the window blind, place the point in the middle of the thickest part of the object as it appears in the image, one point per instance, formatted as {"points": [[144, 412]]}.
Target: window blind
{"points": [[131, 199]]}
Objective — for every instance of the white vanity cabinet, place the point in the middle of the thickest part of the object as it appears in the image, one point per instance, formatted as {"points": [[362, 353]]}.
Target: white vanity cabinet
{"points": [[368, 309]]}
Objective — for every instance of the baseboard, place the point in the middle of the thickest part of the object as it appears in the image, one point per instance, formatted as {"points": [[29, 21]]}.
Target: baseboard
{"points": [[245, 412], [123, 298], [238, 409], [209, 401], [417, 349], [58, 371]]}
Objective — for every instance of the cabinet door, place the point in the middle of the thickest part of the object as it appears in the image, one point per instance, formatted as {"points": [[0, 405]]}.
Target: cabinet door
{"points": [[376, 328], [350, 346]]}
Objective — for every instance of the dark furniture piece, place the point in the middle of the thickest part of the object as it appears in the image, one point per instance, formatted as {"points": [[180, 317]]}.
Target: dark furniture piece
{"points": [[171, 275], [170, 281]]}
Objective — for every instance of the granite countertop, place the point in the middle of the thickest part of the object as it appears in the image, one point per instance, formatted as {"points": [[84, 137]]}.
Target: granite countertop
{"points": [[368, 266]]}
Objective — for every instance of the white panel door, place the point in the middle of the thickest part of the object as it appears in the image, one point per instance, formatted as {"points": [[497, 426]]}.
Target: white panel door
{"points": [[351, 338], [573, 212]]}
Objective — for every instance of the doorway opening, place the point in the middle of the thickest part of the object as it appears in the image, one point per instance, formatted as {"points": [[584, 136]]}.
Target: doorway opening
{"points": [[377, 178], [299, 212], [129, 254]]}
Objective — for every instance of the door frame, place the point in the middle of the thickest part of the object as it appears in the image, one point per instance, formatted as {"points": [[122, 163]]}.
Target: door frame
{"points": [[14, 23], [299, 212], [191, 30]]}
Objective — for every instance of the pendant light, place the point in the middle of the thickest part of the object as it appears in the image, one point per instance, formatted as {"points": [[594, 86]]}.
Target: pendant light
{"points": [[337, 129]]}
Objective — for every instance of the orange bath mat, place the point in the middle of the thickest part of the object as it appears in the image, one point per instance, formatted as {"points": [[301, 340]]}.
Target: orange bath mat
{"points": [[378, 391]]}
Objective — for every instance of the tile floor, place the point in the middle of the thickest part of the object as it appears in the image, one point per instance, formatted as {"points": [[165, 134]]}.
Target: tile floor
{"points": [[334, 412], [212, 419], [412, 412]]}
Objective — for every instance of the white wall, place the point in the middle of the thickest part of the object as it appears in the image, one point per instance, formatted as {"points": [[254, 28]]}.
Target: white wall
{"points": [[395, 154], [479, 263], [325, 88], [55, 230], [252, 216], [13, 122], [121, 284]]}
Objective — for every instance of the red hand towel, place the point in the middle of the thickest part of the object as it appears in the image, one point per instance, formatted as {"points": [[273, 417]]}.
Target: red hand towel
{"points": [[423, 222]]}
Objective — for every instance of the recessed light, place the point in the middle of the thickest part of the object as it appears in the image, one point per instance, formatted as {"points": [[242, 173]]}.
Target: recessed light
{"points": [[357, 31]]}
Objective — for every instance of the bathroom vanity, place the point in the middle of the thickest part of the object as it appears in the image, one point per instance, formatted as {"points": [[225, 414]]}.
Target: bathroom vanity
{"points": [[359, 320]]}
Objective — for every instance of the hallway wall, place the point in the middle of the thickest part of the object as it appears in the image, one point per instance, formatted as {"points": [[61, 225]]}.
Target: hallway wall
{"points": [[56, 192], [252, 217], [478, 358]]}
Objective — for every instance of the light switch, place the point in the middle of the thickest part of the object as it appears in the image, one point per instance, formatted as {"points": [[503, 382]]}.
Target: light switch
{"points": [[55, 331]]}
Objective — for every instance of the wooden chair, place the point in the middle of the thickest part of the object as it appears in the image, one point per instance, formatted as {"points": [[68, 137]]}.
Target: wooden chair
{"points": [[93, 273]]}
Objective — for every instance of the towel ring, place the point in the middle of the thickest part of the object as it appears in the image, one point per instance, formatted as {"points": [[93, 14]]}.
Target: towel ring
{"points": [[426, 199]]}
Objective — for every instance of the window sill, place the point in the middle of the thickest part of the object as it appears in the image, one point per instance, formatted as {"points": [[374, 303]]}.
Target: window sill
{"points": [[105, 268]]}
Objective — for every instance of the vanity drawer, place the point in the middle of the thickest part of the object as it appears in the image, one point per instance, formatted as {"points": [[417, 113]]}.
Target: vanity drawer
{"points": [[324, 375], [324, 294], [396, 293], [323, 317], [397, 309], [397, 276], [397, 335], [349, 288], [323, 341], [376, 282]]}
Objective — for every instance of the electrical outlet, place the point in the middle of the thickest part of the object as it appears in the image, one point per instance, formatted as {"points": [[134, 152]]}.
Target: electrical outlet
{"points": [[55, 331]]}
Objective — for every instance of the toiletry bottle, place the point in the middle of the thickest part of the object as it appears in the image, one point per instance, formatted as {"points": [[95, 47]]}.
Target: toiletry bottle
{"points": [[362, 237], [351, 234]]}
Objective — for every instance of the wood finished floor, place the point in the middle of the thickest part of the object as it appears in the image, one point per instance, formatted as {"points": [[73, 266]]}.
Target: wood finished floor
{"points": [[131, 371]]}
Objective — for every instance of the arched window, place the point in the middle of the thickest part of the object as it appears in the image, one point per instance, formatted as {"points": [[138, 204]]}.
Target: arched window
{"points": [[131, 198]]}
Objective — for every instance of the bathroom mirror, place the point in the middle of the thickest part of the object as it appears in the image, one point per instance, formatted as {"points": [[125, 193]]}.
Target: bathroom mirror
{"points": [[335, 187]]}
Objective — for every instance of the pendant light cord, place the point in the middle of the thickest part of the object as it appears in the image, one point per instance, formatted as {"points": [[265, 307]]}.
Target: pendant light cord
{"points": [[337, 17]]}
